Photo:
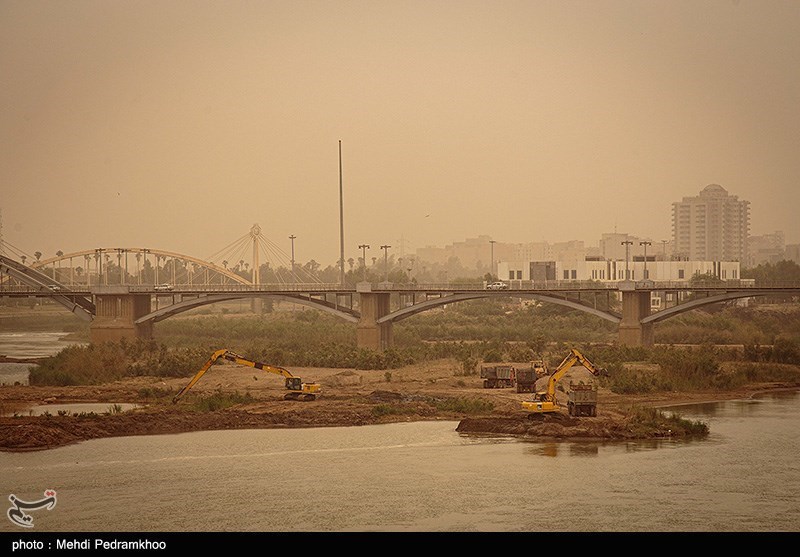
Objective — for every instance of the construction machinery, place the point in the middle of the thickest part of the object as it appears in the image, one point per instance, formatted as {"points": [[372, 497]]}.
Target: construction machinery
{"points": [[582, 399], [526, 378], [544, 402], [298, 390], [498, 376]]}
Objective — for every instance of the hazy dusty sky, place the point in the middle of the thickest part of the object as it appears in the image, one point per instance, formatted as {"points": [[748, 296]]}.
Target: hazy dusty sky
{"points": [[177, 125]]}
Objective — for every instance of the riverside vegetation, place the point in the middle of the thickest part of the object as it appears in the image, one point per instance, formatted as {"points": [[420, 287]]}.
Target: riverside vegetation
{"points": [[731, 348], [737, 345]]}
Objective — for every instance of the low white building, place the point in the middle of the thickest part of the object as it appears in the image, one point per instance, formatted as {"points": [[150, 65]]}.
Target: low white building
{"points": [[605, 270]]}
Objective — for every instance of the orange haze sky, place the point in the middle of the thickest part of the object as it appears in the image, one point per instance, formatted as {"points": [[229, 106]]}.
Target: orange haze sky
{"points": [[179, 125]]}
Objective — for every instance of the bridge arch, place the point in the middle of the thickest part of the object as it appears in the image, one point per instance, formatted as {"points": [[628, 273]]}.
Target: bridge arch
{"points": [[452, 298], [700, 302], [186, 305], [101, 258]]}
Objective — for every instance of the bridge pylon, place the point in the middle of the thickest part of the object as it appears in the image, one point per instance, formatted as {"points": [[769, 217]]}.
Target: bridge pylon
{"points": [[374, 305], [635, 307], [117, 312]]}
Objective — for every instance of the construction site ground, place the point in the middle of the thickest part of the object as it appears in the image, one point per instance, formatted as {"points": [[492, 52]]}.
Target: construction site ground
{"points": [[427, 391]]}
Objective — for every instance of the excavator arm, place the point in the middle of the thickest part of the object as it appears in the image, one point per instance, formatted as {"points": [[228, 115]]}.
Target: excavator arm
{"points": [[545, 401], [299, 390], [211, 361], [570, 360]]}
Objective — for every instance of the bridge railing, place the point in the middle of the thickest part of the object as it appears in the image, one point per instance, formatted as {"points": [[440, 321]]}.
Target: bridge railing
{"points": [[443, 287], [512, 285], [226, 288]]}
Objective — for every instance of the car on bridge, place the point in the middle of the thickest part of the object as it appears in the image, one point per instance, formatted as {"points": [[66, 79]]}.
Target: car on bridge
{"points": [[497, 286], [163, 287]]}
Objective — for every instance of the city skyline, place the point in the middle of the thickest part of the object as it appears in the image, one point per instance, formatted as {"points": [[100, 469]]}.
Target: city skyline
{"points": [[179, 126]]}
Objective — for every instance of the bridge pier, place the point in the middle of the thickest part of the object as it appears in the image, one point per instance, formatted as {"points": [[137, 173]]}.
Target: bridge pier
{"points": [[369, 333], [635, 307], [117, 312]]}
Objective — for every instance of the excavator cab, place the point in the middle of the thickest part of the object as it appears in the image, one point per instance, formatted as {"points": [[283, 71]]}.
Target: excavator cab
{"points": [[301, 391], [294, 384]]}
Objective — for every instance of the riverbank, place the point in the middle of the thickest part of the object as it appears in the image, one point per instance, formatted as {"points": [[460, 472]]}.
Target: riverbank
{"points": [[429, 391]]}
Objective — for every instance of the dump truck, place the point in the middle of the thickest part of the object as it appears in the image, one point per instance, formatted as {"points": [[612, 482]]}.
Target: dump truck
{"points": [[526, 378], [582, 399], [498, 376]]}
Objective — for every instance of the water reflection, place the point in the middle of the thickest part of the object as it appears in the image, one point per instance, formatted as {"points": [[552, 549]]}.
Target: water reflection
{"points": [[741, 407], [74, 409], [13, 373], [584, 449], [427, 477]]}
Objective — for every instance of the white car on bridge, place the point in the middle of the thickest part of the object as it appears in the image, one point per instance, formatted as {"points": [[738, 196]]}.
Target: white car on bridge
{"points": [[497, 286]]}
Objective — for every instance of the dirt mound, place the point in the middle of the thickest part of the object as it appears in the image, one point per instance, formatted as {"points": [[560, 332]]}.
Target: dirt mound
{"points": [[415, 393]]}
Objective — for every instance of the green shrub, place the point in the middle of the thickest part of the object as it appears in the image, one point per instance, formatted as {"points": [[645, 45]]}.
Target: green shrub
{"points": [[669, 422], [220, 401], [464, 405]]}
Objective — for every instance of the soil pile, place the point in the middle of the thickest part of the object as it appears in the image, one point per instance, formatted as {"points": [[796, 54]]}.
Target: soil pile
{"points": [[429, 391]]}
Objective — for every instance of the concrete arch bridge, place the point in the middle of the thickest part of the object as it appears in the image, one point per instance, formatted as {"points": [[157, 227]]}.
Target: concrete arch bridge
{"points": [[130, 306]]}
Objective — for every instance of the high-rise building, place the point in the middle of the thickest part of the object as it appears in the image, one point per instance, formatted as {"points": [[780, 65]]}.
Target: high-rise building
{"points": [[767, 248], [713, 226]]}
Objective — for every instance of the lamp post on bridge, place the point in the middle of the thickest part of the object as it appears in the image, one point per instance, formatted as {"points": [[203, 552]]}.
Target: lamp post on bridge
{"points": [[292, 237], [364, 248], [385, 249], [491, 262], [627, 244], [645, 244]]}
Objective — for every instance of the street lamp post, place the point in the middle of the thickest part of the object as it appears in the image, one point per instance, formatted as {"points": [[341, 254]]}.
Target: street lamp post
{"points": [[385, 249], [491, 263], [364, 248], [341, 220], [292, 237], [627, 244], [645, 244]]}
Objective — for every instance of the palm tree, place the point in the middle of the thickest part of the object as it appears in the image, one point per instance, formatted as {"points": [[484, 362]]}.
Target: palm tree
{"points": [[59, 253], [23, 258], [138, 272], [37, 255], [97, 262]]}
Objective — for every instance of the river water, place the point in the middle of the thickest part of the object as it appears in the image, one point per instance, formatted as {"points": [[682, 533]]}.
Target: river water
{"points": [[424, 477], [26, 344]]}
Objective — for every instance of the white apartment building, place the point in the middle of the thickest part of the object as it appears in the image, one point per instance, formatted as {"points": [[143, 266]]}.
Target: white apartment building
{"points": [[711, 226]]}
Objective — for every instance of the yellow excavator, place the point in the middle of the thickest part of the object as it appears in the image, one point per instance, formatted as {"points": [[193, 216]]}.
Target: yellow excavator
{"points": [[545, 402], [299, 390]]}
